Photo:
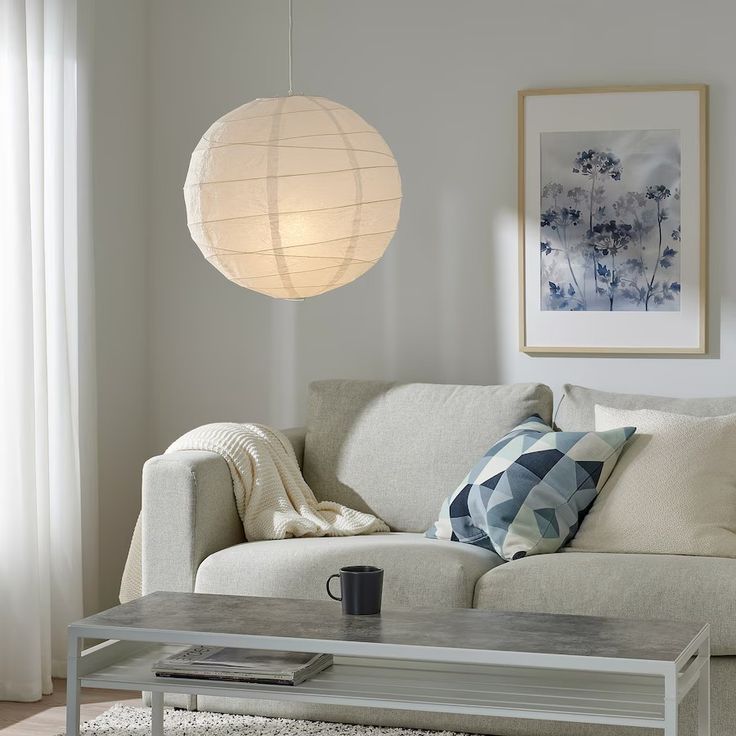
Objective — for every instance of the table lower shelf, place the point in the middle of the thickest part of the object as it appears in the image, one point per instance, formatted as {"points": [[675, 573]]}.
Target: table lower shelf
{"points": [[516, 692]]}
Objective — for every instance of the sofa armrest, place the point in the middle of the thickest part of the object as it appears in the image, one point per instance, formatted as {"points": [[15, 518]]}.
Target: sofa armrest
{"points": [[189, 512]]}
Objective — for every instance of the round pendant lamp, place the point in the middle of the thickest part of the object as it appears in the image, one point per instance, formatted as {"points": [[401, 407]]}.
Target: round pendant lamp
{"points": [[292, 196]]}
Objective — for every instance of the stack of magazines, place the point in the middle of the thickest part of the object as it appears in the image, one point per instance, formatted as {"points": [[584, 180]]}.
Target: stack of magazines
{"points": [[243, 665]]}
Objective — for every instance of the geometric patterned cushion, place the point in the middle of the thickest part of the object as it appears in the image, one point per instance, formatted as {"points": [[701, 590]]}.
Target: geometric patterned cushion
{"points": [[531, 490]]}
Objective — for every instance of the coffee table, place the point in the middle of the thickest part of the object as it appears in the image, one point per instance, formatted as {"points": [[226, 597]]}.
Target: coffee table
{"points": [[517, 665]]}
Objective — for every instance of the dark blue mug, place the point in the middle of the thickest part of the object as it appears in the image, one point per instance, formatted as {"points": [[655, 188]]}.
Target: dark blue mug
{"points": [[361, 588]]}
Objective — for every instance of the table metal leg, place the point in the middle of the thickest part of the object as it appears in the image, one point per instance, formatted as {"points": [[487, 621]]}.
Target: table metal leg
{"points": [[157, 714], [704, 700], [74, 653], [670, 705]]}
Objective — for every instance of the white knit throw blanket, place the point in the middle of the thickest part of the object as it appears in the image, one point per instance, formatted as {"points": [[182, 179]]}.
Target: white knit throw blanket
{"points": [[272, 498]]}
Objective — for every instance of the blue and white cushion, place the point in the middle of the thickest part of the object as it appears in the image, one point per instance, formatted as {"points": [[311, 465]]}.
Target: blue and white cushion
{"points": [[531, 490]]}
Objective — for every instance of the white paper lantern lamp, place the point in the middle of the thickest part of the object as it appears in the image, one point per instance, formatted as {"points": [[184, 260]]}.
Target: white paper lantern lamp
{"points": [[292, 196]]}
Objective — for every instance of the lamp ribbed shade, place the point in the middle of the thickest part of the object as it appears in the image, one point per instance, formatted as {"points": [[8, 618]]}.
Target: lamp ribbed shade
{"points": [[292, 196]]}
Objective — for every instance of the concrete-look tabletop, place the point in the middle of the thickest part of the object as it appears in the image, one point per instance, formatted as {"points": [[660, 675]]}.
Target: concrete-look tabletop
{"points": [[454, 628]]}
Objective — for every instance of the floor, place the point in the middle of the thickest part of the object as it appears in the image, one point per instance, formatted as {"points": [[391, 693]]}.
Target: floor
{"points": [[46, 717]]}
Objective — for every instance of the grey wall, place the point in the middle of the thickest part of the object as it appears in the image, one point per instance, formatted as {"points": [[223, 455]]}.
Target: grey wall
{"points": [[119, 201], [439, 80]]}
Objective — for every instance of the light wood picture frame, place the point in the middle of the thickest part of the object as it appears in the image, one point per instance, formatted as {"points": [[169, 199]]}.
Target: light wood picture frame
{"points": [[613, 220]]}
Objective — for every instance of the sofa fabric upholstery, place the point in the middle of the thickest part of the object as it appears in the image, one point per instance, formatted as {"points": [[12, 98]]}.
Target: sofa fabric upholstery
{"points": [[671, 587], [418, 571], [192, 536], [576, 412], [352, 454], [188, 513], [673, 491]]}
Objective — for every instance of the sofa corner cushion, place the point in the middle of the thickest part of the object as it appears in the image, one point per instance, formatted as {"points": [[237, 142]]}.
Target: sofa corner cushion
{"points": [[576, 412], [397, 450], [418, 571], [633, 586]]}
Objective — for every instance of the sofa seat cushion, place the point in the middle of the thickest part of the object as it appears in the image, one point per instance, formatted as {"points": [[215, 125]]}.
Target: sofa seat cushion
{"points": [[418, 571], [397, 450], [667, 587]]}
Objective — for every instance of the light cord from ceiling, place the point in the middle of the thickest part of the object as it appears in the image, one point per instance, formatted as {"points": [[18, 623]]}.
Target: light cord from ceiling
{"points": [[291, 24]]}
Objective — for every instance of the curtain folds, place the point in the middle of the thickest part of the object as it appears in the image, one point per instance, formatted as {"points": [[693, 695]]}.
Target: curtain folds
{"points": [[41, 588]]}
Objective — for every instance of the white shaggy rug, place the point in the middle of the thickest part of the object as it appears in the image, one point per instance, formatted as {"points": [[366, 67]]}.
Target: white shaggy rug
{"points": [[124, 720]]}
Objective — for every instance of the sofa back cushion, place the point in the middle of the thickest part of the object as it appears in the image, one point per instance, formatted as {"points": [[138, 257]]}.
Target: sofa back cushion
{"points": [[577, 408], [397, 450], [673, 490]]}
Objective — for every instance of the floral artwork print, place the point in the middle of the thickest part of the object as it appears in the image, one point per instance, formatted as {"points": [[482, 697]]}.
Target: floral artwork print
{"points": [[610, 221]]}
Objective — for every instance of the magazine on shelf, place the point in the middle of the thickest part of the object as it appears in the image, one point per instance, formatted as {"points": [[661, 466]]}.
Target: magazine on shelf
{"points": [[242, 665]]}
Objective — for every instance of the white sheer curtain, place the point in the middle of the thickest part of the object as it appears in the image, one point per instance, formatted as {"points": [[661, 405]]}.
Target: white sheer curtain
{"points": [[40, 486]]}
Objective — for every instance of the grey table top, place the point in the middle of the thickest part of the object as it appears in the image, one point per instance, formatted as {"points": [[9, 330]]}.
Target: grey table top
{"points": [[455, 628]]}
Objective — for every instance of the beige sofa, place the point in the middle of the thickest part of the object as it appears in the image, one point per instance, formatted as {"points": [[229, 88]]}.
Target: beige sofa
{"points": [[397, 450]]}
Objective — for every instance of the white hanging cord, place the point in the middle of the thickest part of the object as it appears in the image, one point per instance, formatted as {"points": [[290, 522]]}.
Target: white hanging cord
{"points": [[291, 23]]}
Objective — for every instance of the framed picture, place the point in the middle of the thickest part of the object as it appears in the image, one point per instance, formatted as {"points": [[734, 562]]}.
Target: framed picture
{"points": [[613, 219]]}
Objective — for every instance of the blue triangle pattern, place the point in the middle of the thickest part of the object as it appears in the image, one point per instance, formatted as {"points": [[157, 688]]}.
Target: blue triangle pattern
{"points": [[552, 486]]}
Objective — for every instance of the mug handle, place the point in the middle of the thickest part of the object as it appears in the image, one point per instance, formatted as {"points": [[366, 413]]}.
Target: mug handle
{"points": [[329, 592]]}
